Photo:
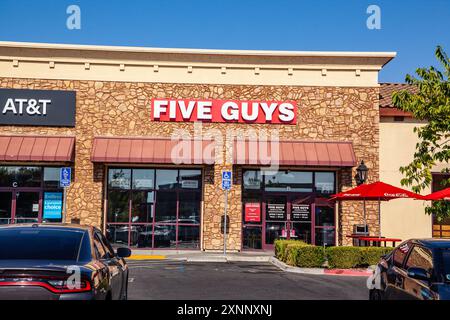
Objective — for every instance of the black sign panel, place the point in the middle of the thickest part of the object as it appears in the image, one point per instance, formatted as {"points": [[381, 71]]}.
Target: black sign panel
{"points": [[301, 212], [276, 211], [37, 107]]}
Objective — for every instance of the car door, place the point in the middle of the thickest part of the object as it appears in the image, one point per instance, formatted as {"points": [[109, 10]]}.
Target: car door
{"points": [[420, 257], [120, 263], [395, 274], [111, 264]]}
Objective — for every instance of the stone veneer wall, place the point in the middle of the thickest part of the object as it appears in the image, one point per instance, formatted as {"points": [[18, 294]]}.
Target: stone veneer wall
{"points": [[123, 109]]}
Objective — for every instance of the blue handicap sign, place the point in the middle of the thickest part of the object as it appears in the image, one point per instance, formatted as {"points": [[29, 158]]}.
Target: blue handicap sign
{"points": [[64, 177], [226, 180]]}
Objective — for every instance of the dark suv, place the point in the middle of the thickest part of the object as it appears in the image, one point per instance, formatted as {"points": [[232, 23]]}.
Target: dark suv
{"points": [[416, 269]]}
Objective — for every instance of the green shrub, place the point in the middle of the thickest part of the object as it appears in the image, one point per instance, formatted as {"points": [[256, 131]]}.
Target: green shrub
{"points": [[305, 256], [343, 257], [371, 255], [280, 248], [354, 257]]}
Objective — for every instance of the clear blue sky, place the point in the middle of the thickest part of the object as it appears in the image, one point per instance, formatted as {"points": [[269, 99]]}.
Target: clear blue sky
{"points": [[411, 28]]}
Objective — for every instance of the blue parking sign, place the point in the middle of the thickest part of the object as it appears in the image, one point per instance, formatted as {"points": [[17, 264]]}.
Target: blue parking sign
{"points": [[64, 177], [226, 180]]}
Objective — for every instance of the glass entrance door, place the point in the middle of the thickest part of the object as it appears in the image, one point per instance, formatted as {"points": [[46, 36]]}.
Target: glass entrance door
{"points": [[288, 217], [276, 219], [27, 208], [6, 206]]}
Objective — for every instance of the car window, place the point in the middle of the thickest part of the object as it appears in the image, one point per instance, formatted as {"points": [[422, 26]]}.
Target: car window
{"points": [[420, 257], [99, 249], [400, 254], [40, 244], [106, 244]]}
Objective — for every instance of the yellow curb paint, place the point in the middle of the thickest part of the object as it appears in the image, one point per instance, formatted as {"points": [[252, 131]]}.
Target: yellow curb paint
{"points": [[146, 257]]}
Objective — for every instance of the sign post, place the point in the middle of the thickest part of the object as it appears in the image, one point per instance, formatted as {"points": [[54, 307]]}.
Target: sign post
{"points": [[226, 185], [64, 182]]}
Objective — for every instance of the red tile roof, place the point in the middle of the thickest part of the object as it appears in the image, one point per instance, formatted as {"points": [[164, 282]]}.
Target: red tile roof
{"points": [[387, 108]]}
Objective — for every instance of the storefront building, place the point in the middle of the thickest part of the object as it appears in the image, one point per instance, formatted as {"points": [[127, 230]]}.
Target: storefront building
{"points": [[148, 133]]}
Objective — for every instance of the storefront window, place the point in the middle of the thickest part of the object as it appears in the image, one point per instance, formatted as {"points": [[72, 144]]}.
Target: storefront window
{"points": [[189, 207], [324, 182], [20, 177], [325, 236], [165, 236], [154, 208], [119, 179], [166, 207], [189, 237], [290, 181], [118, 205], [142, 236], [142, 206], [35, 193], [190, 179], [301, 231], [252, 179], [143, 179], [51, 177], [287, 205], [252, 238], [324, 216], [166, 179]]}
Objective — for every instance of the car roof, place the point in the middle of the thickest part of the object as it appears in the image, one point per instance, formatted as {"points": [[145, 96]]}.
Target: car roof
{"points": [[433, 243], [58, 226]]}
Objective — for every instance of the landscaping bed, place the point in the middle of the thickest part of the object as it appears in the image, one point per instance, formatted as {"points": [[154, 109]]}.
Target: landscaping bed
{"points": [[300, 254]]}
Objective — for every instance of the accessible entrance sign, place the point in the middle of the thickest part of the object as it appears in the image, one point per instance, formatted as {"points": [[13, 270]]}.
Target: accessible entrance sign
{"points": [[226, 180], [64, 177], [64, 182]]}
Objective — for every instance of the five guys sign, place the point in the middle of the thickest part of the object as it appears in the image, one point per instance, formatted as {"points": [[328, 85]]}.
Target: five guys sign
{"points": [[189, 110]]}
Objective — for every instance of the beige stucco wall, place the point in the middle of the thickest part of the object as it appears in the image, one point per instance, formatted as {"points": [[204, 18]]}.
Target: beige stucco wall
{"points": [[402, 218]]}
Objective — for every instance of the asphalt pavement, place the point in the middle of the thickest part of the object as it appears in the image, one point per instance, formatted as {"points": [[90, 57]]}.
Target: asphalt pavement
{"points": [[181, 280]]}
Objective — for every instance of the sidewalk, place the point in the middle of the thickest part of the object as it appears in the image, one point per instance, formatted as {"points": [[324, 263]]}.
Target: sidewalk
{"points": [[200, 256]]}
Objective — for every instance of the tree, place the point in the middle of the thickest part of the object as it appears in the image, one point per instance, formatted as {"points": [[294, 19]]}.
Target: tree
{"points": [[430, 103]]}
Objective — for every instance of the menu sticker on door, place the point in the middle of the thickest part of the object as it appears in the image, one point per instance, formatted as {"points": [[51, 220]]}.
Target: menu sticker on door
{"points": [[276, 211], [301, 212], [252, 212]]}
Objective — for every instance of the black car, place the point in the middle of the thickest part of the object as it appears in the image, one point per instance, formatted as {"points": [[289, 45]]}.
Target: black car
{"points": [[416, 269], [60, 262]]}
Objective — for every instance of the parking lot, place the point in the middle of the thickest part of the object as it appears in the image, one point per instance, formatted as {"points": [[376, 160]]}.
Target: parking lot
{"points": [[235, 280]]}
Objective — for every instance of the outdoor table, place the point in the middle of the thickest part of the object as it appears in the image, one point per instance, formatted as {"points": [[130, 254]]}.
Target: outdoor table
{"points": [[378, 240], [358, 238]]}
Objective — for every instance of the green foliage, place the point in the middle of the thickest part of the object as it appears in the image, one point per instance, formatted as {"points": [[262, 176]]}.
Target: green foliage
{"points": [[371, 255], [281, 245], [300, 254], [343, 257], [431, 103], [305, 256], [354, 257]]}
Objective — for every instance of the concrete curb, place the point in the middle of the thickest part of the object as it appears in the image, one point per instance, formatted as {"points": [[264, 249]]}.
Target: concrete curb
{"points": [[321, 271]]}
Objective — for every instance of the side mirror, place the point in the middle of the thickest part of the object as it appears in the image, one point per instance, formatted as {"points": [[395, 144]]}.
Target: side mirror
{"points": [[419, 274], [123, 252]]}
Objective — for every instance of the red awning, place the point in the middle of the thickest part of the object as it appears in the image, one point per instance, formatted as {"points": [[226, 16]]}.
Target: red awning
{"points": [[152, 150], [294, 153], [36, 148]]}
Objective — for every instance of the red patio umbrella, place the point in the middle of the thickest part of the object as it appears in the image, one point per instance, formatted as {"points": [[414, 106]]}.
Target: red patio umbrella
{"points": [[439, 195], [378, 191]]}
